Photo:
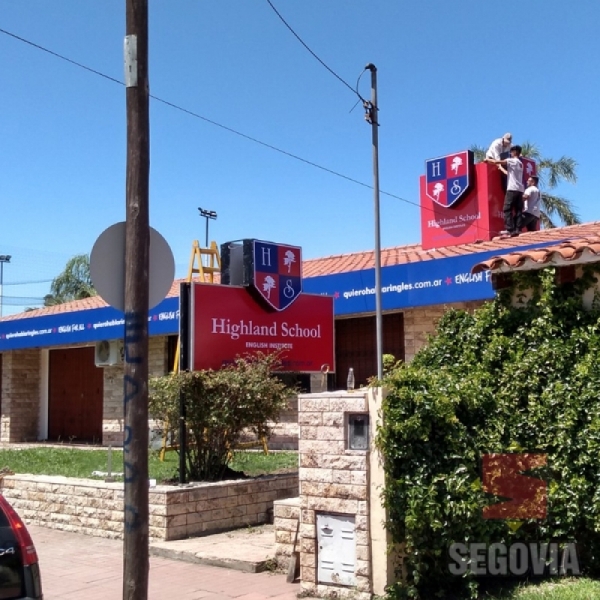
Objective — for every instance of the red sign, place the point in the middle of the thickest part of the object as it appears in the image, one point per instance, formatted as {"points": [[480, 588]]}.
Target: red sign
{"points": [[477, 217], [228, 322], [529, 169]]}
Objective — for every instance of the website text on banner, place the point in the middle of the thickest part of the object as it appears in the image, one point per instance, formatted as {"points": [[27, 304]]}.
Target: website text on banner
{"points": [[426, 283]]}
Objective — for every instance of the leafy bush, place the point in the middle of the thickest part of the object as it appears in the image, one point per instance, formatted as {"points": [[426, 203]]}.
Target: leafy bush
{"points": [[503, 379], [220, 405]]}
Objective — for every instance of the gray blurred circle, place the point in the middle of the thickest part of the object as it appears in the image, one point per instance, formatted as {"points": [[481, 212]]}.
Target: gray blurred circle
{"points": [[107, 267]]}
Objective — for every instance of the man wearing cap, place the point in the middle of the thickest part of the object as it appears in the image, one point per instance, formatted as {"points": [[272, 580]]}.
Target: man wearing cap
{"points": [[513, 201], [499, 148]]}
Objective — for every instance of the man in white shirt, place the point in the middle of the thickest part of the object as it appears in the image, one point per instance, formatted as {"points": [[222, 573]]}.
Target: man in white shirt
{"points": [[499, 147], [531, 205], [513, 201]]}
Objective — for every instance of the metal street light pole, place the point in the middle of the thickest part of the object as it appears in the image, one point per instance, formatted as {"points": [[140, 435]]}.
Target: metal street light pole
{"points": [[372, 118], [207, 214], [4, 258]]}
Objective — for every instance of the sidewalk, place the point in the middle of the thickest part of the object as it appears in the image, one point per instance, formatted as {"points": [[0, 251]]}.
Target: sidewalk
{"points": [[76, 566], [249, 549]]}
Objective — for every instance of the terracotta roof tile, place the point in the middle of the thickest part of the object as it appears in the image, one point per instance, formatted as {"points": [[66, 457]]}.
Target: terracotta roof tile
{"points": [[579, 250], [412, 253], [584, 237]]}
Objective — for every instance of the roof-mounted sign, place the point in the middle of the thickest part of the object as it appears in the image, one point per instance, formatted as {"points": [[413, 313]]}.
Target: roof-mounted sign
{"points": [[449, 178], [277, 273], [273, 272]]}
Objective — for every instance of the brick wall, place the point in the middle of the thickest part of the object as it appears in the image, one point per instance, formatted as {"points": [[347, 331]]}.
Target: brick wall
{"points": [[420, 323], [112, 422], [21, 380], [96, 508]]}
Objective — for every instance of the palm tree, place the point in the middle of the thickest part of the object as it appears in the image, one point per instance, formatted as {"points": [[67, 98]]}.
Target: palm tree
{"points": [[551, 173], [74, 283]]}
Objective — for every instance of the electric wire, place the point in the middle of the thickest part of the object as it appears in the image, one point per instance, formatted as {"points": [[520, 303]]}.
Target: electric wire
{"points": [[225, 127], [207, 120], [21, 300], [62, 57], [29, 282], [311, 52]]}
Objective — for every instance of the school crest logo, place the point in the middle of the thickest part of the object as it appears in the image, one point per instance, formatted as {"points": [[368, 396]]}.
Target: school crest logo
{"points": [[277, 273], [448, 178]]}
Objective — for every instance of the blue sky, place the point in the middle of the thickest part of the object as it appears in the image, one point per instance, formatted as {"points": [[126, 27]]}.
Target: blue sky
{"points": [[450, 74]]}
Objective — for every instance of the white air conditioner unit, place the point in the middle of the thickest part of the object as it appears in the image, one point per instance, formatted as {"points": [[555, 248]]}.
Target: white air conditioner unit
{"points": [[108, 353]]}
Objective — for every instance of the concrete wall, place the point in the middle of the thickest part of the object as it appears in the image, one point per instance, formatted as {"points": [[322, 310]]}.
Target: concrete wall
{"points": [[96, 508]]}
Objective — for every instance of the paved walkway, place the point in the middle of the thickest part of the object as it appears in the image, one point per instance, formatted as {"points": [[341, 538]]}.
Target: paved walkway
{"points": [[253, 549], [76, 566]]}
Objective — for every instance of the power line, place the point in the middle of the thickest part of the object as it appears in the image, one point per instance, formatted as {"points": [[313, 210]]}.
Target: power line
{"points": [[21, 300], [220, 125], [311, 52], [73, 62], [206, 119], [28, 282]]}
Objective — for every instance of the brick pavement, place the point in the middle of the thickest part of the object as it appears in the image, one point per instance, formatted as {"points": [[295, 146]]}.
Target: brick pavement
{"points": [[76, 566]]}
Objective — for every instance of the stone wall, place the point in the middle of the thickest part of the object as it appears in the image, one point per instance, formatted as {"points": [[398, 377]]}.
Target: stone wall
{"points": [[21, 380], [286, 514], [333, 479], [96, 508]]}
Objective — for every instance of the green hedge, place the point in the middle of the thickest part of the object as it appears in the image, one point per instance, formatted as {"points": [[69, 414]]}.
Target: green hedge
{"points": [[504, 379]]}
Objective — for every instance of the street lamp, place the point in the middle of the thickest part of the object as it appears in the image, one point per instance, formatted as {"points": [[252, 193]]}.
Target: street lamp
{"points": [[4, 258], [207, 214]]}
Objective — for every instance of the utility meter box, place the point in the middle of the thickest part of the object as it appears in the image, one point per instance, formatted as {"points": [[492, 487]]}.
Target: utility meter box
{"points": [[336, 549]]}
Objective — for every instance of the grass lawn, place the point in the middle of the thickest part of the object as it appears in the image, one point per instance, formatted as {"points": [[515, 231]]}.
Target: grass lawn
{"points": [[565, 589], [72, 462]]}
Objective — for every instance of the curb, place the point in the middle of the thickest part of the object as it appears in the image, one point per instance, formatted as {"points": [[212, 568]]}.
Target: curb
{"points": [[245, 566]]}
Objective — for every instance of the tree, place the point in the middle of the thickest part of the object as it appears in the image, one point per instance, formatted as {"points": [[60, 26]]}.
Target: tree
{"points": [[551, 173], [74, 283]]}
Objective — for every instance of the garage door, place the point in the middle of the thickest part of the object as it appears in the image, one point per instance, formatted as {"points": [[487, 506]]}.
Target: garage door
{"points": [[75, 395]]}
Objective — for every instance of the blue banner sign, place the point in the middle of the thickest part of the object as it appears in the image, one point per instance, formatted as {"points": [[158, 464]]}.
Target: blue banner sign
{"points": [[438, 281], [77, 327]]}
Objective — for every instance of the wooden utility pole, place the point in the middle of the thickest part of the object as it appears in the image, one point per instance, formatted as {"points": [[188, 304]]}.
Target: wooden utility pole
{"points": [[137, 250]]}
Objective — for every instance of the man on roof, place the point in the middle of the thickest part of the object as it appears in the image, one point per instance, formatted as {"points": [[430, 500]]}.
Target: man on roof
{"points": [[499, 148], [513, 201], [531, 204]]}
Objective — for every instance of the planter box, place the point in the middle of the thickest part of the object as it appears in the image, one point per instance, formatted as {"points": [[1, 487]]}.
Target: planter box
{"points": [[96, 508]]}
